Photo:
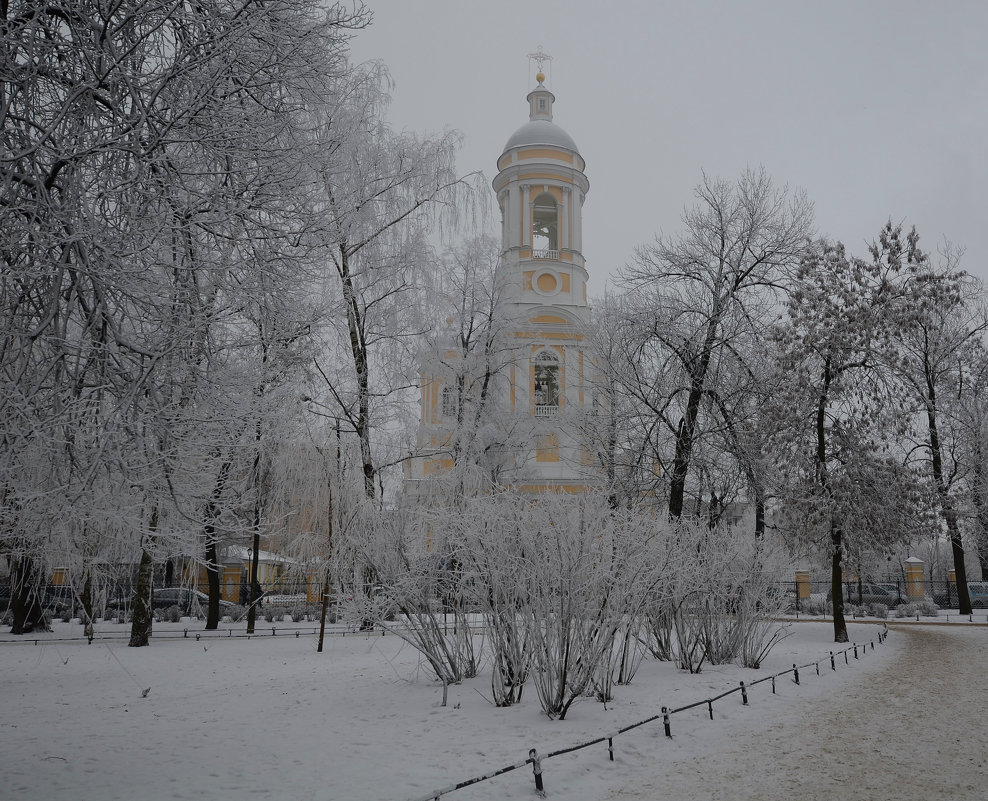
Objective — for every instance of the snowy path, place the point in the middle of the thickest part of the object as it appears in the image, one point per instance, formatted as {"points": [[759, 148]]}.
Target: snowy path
{"points": [[915, 730]]}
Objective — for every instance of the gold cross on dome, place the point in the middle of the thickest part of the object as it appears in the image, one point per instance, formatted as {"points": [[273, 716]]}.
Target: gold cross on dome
{"points": [[540, 57]]}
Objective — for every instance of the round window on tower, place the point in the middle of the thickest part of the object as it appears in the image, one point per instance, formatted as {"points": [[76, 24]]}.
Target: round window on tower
{"points": [[546, 283]]}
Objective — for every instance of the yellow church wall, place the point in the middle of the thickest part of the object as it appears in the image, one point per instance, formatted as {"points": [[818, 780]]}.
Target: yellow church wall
{"points": [[537, 189], [431, 466], [532, 153], [545, 153], [561, 335], [550, 318], [538, 489], [527, 278], [582, 382], [547, 449]]}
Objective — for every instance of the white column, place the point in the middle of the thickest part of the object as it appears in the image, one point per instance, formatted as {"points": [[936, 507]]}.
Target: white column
{"points": [[564, 242], [526, 216]]}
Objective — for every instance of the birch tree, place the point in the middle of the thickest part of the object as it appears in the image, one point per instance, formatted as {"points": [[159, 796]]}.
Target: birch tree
{"points": [[381, 194], [141, 139]]}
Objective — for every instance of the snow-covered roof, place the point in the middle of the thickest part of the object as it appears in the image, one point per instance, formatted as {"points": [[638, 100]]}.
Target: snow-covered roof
{"points": [[541, 132]]}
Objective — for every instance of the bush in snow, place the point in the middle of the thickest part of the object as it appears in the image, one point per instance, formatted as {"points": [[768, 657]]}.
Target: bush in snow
{"points": [[929, 609], [816, 606], [715, 602], [878, 610]]}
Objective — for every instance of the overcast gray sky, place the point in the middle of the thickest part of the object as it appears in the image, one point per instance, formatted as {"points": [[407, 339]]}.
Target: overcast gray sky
{"points": [[877, 109]]}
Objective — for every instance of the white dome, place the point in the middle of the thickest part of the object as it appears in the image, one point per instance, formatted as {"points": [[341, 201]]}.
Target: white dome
{"points": [[541, 132]]}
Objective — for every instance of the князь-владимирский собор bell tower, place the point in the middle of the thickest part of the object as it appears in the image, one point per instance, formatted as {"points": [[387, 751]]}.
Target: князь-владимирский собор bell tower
{"points": [[542, 281]]}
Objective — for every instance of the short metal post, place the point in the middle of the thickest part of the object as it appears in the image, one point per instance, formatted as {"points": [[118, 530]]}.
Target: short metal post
{"points": [[773, 685], [710, 709], [665, 722], [832, 665], [845, 657], [744, 695], [795, 674], [818, 668], [855, 650], [537, 770], [610, 748]]}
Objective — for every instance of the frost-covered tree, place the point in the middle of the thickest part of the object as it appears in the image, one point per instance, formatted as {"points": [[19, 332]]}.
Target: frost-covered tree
{"points": [[838, 416], [150, 165], [939, 334], [698, 296], [382, 192]]}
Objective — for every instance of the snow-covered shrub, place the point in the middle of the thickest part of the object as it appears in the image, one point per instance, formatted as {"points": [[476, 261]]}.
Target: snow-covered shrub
{"points": [[659, 634], [235, 613], [590, 569], [169, 614], [878, 610], [929, 609], [273, 614], [815, 606], [905, 610], [423, 577], [716, 598]]}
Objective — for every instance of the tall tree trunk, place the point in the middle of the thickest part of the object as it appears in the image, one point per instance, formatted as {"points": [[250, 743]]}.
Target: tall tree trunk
{"points": [[26, 606], [837, 583], [836, 534], [687, 427], [212, 561], [140, 627], [212, 580], [254, 597], [946, 502], [87, 603]]}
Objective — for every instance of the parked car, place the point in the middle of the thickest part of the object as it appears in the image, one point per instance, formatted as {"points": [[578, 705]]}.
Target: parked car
{"points": [[895, 590], [870, 594], [978, 590], [60, 599], [184, 598]]}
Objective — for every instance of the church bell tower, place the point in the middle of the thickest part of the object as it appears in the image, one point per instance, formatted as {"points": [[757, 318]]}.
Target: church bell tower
{"points": [[540, 188]]}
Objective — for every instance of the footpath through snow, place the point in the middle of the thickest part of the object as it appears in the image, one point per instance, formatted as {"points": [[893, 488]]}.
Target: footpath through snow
{"points": [[914, 730]]}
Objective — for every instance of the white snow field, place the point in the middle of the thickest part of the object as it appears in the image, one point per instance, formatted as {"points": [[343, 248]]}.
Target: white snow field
{"points": [[269, 717]]}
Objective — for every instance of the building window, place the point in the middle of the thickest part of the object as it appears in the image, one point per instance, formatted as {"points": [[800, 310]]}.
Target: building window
{"points": [[449, 405], [545, 224], [546, 384]]}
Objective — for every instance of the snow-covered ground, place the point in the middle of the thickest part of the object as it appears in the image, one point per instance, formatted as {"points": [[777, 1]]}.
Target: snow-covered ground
{"points": [[227, 717]]}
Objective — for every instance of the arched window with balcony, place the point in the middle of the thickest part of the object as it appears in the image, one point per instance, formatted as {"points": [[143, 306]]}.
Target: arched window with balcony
{"points": [[546, 384], [545, 227]]}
